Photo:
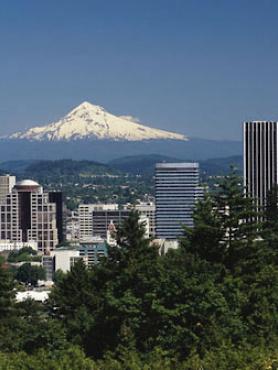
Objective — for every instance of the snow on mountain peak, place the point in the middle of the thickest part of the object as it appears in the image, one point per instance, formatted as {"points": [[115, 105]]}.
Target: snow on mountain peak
{"points": [[88, 121]]}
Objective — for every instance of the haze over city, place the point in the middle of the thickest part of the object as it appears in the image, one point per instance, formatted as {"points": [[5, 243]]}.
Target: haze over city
{"points": [[198, 68]]}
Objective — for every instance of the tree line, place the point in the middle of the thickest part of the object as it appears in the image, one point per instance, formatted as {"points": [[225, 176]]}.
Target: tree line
{"points": [[210, 304]]}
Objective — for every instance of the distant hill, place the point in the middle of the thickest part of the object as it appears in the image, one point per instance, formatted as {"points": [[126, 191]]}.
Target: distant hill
{"points": [[105, 150], [58, 170], [84, 181], [221, 166], [145, 164], [15, 166], [68, 167], [139, 164]]}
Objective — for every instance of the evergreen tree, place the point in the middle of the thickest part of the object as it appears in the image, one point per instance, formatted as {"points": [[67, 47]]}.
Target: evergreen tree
{"points": [[270, 224], [73, 301], [218, 292], [226, 228], [204, 239], [239, 219], [7, 293], [10, 335], [30, 274], [129, 278]]}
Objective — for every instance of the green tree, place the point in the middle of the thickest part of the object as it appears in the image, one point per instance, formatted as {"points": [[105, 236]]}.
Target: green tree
{"points": [[219, 290], [69, 359], [30, 274], [7, 293], [270, 223], [59, 276], [131, 275], [205, 238], [9, 336], [73, 301], [24, 254], [111, 305], [227, 234], [227, 228], [37, 330], [240, 221]]}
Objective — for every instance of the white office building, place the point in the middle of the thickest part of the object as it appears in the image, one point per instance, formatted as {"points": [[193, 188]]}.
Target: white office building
{"points": [[176, 192]]}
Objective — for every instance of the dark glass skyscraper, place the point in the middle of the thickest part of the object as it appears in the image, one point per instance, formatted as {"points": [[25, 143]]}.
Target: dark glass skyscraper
{"points": [[176, 191], [260, 158]]}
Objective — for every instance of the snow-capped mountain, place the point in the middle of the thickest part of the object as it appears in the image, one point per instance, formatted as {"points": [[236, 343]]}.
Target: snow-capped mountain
{"points": [[88, 121]]}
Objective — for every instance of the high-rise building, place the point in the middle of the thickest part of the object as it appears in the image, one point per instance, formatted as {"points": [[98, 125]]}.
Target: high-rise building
{"points": [[176, 192], [57, 198], [7, 182], [27, 214], [260, 158]]}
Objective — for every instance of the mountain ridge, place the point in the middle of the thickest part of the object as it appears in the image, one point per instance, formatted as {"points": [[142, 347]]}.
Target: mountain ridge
{"points": [[105, 150], [135, 165], [145, 164]]}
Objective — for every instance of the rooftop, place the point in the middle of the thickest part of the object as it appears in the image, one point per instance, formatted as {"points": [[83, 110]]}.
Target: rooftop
{"points": [[178, 165], [27, 182]]}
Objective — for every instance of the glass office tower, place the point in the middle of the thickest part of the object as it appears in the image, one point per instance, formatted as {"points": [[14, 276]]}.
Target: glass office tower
{"points": [[260, 158]]}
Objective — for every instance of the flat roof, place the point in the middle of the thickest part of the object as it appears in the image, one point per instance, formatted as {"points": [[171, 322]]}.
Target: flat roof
{"points": [[178, 165]]}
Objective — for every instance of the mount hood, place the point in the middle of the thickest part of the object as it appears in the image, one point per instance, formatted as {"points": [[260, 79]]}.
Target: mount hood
{"points": [[88, 121]]}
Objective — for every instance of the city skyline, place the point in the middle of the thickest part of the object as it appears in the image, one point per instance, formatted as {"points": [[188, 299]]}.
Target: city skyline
{"points": [[200, 70]]}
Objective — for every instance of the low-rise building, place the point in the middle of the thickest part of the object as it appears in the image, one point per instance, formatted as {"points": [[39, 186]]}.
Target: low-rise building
{"points": [[92, 252], [7, 245], [60, 259]]}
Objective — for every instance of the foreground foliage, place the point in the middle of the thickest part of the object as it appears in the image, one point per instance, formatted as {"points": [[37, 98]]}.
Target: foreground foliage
{"points": [[211, 304]]}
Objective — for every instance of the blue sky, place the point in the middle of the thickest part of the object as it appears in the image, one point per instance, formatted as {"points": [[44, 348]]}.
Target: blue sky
{"points": [[196, 67]]}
